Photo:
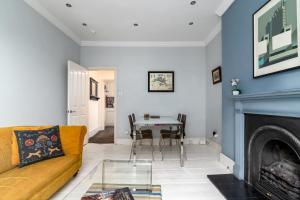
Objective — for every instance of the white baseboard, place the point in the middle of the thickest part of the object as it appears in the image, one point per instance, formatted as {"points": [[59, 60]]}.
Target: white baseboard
{"points": [[214, 145], [95, 131], [227, 162], [200, 141]]}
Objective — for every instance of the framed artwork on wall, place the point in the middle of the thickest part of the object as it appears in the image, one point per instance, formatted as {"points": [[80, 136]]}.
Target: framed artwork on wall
{"points": [[161, 81], [109, 102], [94, 90], [216, 75], [276, 37]]}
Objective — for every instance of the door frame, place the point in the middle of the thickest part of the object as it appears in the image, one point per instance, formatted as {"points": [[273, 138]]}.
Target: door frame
{"points": [[116, 94]]}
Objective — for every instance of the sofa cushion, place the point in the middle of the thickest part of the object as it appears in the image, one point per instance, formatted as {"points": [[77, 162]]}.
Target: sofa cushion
{"points": [[23, 183], [15, 161], [38, 145]]}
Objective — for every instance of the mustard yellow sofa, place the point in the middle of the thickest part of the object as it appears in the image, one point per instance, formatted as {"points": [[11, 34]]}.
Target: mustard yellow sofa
{"points": [[41, 180]]}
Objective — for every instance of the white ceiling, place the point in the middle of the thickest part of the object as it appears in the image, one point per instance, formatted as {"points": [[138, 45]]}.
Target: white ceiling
{"points": [[162, 21]]}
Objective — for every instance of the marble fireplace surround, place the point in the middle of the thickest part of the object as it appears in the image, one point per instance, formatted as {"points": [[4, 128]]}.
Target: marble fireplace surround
{"points": [[279, 103]]}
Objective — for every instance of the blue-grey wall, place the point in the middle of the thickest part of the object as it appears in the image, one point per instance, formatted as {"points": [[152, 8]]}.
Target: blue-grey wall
{"points": [[33, 69], [237, 63], [133, 63], [214, 92]]}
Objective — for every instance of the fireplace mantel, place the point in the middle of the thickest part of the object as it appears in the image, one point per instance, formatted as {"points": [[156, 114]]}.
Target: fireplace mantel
{"points": [[268, 95], [277, 103]]}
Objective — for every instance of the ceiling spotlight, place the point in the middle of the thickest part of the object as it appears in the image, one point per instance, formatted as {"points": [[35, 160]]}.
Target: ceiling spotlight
{"points": [[84, 24], [69, 5], [191, 23], [193, 3], [135, 24], [93, 31]]}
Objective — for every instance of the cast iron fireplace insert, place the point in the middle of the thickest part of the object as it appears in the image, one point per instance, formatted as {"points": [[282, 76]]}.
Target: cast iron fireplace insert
{"points": [[272, 161]]}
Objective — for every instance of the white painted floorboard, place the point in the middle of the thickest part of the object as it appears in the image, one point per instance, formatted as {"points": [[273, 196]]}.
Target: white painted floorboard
{"points": [[177, 183]]}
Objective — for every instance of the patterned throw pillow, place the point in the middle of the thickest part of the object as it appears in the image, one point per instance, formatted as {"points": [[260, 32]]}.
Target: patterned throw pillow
{"points": [[35, 146]]}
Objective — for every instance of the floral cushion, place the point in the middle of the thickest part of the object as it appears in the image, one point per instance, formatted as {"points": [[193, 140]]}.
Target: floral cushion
{"points": [[35, 146]]}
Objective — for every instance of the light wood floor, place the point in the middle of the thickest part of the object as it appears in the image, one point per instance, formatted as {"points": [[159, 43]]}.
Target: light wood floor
{"points": [[177, 183]]}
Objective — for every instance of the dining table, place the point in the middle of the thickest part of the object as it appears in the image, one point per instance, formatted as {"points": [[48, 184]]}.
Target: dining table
{"points": [[161, 122]]}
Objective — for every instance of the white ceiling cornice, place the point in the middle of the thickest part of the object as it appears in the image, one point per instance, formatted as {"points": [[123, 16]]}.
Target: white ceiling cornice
{"points": [[225, 5], [143, 43], [213, 33], [45, 13]]}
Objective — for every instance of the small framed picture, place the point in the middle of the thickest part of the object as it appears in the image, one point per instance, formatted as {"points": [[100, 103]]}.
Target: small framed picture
{"points": [[94, 90], [217, 75], [161, 81]]}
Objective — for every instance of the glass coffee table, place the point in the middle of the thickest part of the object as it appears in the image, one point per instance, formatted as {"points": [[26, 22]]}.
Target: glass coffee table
{"points": [[117, 174]]}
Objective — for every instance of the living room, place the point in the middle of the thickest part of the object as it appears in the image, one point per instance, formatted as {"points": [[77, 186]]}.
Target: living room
{"points": [[206, 99]]}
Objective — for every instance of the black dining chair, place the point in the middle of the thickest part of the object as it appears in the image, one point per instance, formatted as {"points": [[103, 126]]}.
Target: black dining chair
{"points": [[169, 134], [177, 136], [133, 117], [183, 121], [140, 136]]}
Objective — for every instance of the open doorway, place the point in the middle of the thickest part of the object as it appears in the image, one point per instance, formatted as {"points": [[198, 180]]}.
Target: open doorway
{"points": [[102, 110]]}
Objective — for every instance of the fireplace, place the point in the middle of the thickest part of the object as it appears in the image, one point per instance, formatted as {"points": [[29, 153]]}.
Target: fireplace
{"points": [[272, 161]]}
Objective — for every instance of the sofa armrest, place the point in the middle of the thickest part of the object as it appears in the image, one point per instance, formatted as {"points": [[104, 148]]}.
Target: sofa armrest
{"points": [[72, 138]]}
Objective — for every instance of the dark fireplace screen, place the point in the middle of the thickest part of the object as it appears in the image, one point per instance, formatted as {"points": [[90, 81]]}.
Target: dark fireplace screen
{"points": [[272, 155]]}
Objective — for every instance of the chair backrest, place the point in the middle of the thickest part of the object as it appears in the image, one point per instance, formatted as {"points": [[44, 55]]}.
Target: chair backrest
{"points": [[183, 120], [179, 117], [131, 125], [133, 117]]}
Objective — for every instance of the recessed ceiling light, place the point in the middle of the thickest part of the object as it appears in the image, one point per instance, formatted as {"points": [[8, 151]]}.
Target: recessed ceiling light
{"points": [[193, 2], [135, 24], [191, 23], [68, 5], [84, 24]]}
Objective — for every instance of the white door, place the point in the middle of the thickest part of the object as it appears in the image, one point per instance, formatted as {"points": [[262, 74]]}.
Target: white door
{"points": [[78, 95]]}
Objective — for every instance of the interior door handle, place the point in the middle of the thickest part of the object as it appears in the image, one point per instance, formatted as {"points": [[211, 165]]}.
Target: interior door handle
{"points": [[71, 111]]}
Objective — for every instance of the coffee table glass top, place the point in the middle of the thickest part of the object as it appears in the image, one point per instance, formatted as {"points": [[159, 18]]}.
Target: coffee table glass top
{"points": [[125, 172], [114, 174]]}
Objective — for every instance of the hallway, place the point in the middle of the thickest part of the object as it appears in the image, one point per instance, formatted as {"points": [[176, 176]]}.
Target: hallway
{"points": [[103, 137]]}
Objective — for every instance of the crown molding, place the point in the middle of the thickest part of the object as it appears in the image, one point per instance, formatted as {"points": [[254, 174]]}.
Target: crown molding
{"points": [[45, 13], [213, 33], [224, 6], [144, 43]]}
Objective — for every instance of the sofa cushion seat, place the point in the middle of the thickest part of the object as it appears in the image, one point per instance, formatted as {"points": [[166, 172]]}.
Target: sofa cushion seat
{"points": [[23, 183]]}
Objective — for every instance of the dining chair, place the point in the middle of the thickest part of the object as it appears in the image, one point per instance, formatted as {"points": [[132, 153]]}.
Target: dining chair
{"points": [[177, 136], [183, 120], [140, 136], [133, 117], [169, 134]]}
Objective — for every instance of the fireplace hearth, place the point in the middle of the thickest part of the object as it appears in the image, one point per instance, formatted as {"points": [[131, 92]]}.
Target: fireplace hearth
{"points": [[272, 149]]}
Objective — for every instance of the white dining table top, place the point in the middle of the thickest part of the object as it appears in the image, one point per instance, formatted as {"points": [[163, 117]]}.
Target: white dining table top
{"points": [[157, 121]]}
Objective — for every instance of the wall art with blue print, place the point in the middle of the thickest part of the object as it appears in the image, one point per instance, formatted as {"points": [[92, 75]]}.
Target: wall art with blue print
{"points": [[276, 37]]}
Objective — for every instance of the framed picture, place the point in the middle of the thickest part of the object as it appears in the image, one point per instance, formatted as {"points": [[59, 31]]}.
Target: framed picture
{"points": [[94, 90], [110, 102], [161, 81], [216, 75], [276, 37]]}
